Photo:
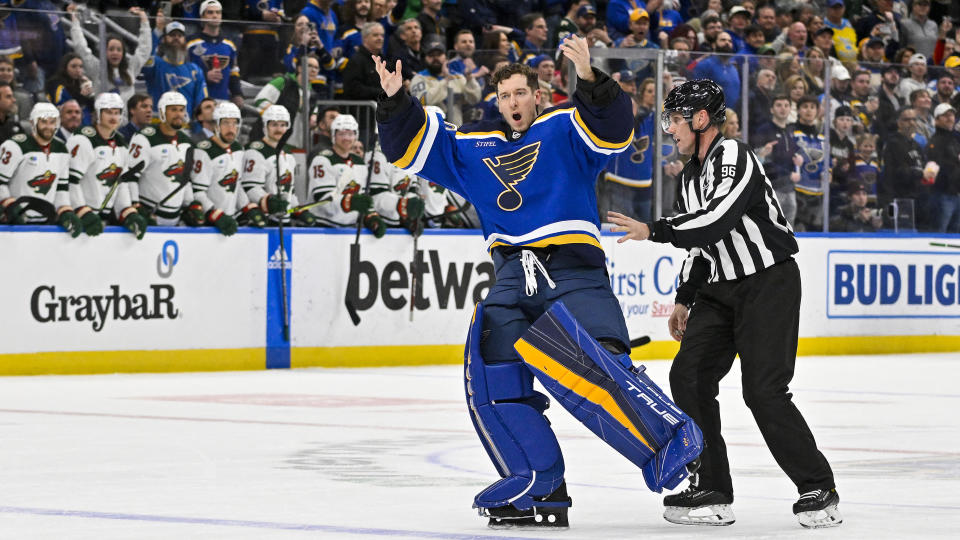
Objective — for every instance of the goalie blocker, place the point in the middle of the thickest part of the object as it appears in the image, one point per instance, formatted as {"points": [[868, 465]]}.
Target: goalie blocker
{"points": [[614, 399]]}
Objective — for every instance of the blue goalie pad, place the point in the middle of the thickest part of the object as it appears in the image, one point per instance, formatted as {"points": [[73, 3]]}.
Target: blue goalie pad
{"points": [[508, 417], [617, 401]]}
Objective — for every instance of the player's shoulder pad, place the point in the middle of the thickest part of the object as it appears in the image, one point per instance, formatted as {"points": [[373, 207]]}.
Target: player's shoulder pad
{"points": [[148, 131], [19, 138], [255, 145], [88, 131], [289, 148], [204, 144], [58, 147], [327, 153]]}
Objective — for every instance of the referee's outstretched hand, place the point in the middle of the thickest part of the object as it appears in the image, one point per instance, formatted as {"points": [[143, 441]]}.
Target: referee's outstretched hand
{"points": [[636, 230], [389, 81]]}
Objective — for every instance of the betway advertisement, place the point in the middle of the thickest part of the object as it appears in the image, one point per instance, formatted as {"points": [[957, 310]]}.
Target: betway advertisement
{"points": [[111, 292], [852, 286]]}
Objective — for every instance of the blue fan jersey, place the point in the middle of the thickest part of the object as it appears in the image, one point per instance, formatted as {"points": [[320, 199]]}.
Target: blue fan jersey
{"points": [[531, 189]]}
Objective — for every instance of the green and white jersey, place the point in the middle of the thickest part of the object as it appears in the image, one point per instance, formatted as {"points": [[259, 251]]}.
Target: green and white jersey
{"points": [[331, 177], [28, 169], [259, 177], [164, 160], [216, 176], [96, 164], [388, 185]]}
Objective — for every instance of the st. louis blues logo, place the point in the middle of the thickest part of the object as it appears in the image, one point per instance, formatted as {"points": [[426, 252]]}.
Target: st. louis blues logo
{"points": [[109, 176], [174, 170], [510, 170], [640, 145], [175, 81], [229, 182], [43, 183]]}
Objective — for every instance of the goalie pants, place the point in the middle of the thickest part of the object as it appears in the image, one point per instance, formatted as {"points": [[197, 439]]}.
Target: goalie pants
{"points": [[756, 317], [584, 289]]}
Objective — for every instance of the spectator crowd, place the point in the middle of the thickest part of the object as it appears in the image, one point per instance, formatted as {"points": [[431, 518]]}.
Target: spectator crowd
{"points": [[851, 104]]}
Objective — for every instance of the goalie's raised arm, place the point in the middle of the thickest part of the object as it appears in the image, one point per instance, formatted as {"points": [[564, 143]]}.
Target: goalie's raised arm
{"points": [[390, 81], [576, 49]]}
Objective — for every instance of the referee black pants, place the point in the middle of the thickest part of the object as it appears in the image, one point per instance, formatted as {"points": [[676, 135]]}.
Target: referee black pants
{"points": [[757, 318]]}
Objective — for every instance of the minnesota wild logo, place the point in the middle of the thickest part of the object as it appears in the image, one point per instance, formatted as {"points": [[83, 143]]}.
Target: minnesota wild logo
{"points": [[109, 175], [229, 182], [286, 179], [510, 170], [403, 185], [174, 170], [352, 188], [43, 183]]}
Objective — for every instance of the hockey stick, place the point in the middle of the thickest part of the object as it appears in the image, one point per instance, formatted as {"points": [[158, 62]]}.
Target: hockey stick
{"points": [[416, 232], [351, 309], [941, 244], [183, 178], [125, 177], [283, 247], [303, 207]]}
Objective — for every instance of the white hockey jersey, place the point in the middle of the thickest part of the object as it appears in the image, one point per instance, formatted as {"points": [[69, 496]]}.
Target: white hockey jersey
{"points": [[331, 177], [164, 162], [96, 164], [259, 177], [216, 177], [30, 170], [389, 184]]}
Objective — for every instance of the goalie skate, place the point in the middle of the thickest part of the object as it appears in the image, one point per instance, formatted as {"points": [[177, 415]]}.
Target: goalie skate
{"points": [[547, 512], [699, 507], [817, 509]]}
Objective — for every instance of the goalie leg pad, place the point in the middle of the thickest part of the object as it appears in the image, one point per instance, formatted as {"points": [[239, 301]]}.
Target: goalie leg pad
{"points": [[508, 417], [618, 402]]}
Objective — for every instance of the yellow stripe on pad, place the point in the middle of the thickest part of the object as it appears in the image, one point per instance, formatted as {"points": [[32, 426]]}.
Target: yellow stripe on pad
{"points": [[556, 241], [577, 385]]}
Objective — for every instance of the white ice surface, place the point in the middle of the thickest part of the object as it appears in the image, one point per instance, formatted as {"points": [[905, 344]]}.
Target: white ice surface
{"points": [[391, 453]]}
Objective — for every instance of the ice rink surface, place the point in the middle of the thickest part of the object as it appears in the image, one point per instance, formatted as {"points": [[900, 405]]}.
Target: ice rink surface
{"points": [[391, 453]]}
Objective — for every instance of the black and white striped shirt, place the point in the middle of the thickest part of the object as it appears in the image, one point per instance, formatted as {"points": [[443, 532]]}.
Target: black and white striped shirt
{"points": [[730, 222]]}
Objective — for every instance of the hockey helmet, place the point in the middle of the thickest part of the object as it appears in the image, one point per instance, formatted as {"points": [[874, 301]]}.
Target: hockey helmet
{"points": [[44, 110], [692, 96], [107, 100], [225, 110], [344, 122], [168, 99], [276, 113]]}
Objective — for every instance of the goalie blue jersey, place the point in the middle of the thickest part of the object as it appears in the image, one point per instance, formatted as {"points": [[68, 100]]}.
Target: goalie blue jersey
{"points": [[532, 189]]}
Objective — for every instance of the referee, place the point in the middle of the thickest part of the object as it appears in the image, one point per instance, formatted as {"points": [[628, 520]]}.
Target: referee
{"points": [[739, 293]]}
